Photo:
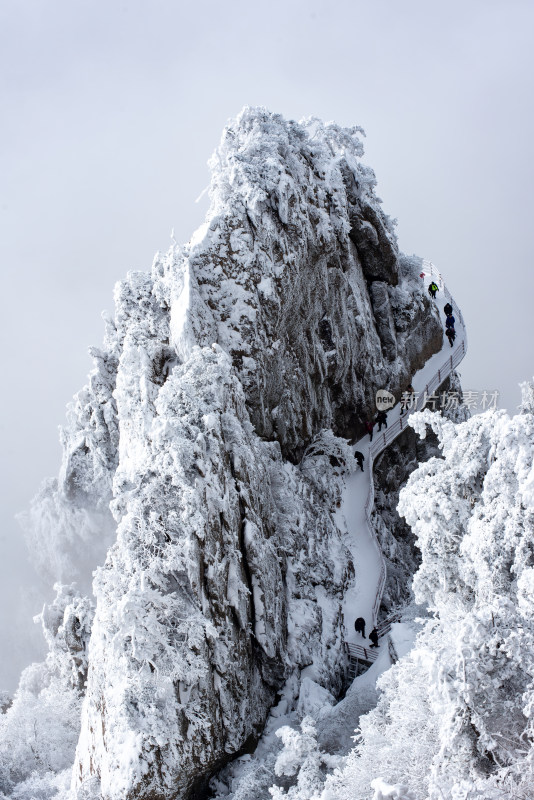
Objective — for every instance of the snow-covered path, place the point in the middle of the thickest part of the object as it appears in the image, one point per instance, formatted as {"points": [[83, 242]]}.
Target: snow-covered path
{"points": [[351, 516], [363, 598]]}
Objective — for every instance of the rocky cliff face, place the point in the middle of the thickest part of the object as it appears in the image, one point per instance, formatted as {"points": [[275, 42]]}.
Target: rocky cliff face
{"points": [[203, 429], [295, 248]]}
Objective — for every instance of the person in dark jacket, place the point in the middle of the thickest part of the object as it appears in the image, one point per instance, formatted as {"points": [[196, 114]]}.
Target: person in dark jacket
{"points": [[360, 458], [432, 289], [407, 397], [369, 425], [447, 308], [450, 333], [359, 626], [449, 322], [382, 419], [374, 637]]}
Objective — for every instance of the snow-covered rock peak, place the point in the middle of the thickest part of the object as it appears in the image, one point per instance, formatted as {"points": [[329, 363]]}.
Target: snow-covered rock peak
{"points": [[226, 573]]}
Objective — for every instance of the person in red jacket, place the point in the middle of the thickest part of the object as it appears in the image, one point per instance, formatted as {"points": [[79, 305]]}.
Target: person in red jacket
{"points": [[369, 425]]}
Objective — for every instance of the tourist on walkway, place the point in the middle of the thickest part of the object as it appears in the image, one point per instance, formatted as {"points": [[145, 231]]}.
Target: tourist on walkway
{"points": [[447, 308], [369, 425], [360, 458], [359, 626], [407, 397], [382, 419], [432, 289], [449, 322], [450, 333], [374, 637]]}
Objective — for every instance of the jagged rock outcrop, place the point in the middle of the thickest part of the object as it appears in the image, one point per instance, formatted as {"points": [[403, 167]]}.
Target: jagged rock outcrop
{"points": [[279, 320], [384, 318], [288, 290], [192, 594]]}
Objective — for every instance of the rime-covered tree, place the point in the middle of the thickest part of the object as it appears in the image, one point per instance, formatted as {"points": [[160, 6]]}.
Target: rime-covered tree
{"points": [[456, 716], [39, 729]]}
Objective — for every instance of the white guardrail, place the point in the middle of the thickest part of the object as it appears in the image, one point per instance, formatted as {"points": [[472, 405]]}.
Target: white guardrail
{"points": [[384, 439]]}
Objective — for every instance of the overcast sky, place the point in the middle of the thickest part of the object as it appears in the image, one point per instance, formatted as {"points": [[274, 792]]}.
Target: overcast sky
{"points": [[110, 111]]}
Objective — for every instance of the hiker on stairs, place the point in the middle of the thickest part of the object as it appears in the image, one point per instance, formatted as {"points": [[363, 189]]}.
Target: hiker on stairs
{"points": [[449, 322], [432, 289], [382, 419]]}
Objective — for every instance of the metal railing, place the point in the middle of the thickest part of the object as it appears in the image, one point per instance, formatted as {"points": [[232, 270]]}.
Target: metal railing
{"points": [[384, 626], [357, 653], [382, 439]]}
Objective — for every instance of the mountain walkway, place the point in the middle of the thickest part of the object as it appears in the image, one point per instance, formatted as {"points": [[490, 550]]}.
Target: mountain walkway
{"points": [[364, 597]]}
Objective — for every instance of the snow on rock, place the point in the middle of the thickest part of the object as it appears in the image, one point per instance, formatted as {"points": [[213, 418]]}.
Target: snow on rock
{"points": [[193, 520], [283, 262], [314, 700], [207, 442], [193, 635]]}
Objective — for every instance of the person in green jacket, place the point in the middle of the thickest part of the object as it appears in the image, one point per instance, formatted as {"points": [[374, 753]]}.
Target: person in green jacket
{"points": [[432, 289]]}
